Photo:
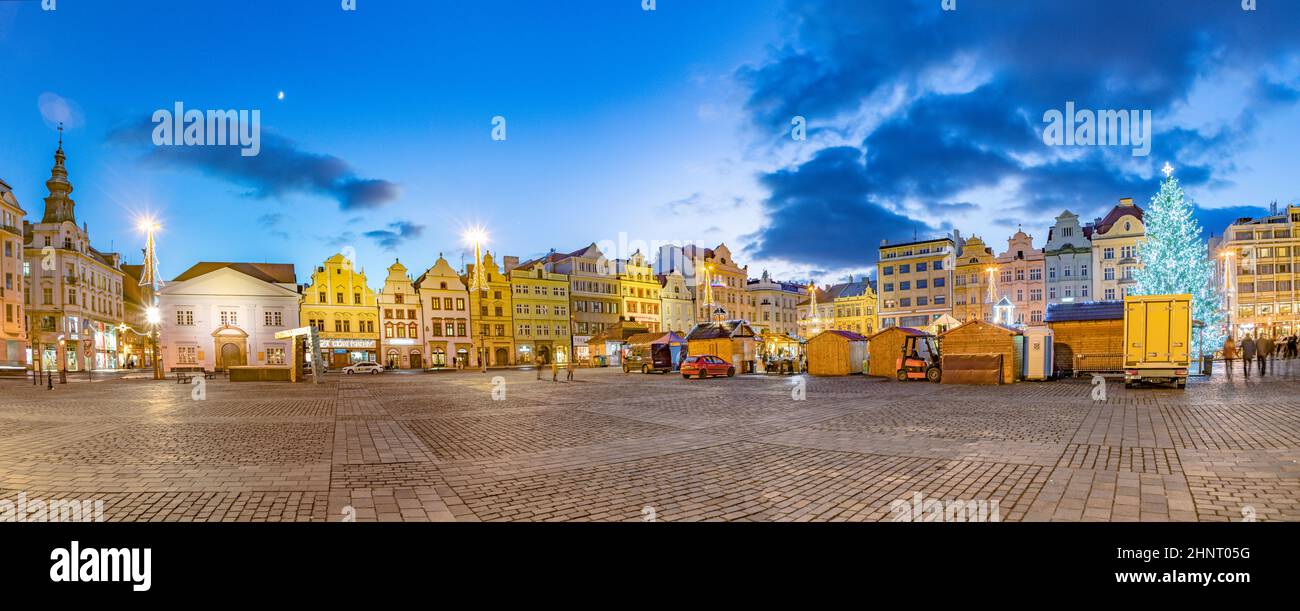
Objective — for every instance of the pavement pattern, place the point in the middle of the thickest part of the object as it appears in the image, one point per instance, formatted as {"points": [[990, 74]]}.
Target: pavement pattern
{"points": [[610, 446]]}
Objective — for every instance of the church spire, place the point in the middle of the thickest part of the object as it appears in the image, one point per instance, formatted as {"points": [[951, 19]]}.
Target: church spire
{"points": [[59, 206]]}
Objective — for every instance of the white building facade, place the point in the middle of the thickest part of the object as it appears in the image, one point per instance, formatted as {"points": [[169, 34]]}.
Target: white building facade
{"points": [[401, 337], [221, 315]]}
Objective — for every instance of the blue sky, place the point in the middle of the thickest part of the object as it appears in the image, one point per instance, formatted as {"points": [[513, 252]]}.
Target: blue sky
{"points": [[668, 125]]}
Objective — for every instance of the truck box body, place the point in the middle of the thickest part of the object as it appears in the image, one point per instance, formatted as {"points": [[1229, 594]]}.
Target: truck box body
{"points": [[1157, 338]]}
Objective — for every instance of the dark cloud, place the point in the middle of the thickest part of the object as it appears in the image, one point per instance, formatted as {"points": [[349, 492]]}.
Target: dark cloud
{"points": [[1214, 221], [823, 211], [396, 234], [974, 85], [280, 168]]}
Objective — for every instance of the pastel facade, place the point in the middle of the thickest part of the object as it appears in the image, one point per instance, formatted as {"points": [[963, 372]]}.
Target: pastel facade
{"points": [[595, 300], [973, 297], [676, 306], [541, 313], [855, 307], [1021, 272], [1068, 252], [775, 304], [1116, 239], [218, 315], [73, 292], [13, 327], [916, 281], [444, 304], [640, 291], [401, 335], [490, 312], [345, 312]]}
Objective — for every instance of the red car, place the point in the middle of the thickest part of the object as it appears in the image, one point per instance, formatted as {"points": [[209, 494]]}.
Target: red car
{"points": [[706, 365]]}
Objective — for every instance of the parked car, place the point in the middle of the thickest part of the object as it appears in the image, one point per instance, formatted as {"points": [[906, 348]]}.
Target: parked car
{"points": [[363, 367], [706, 365], [647, 359]]}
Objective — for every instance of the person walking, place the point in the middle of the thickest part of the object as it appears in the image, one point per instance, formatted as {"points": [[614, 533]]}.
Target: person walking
{"points": [[1247, 354], [537, 361], [555, 371], [569, 366], [1264, 350], [1229, 353]]}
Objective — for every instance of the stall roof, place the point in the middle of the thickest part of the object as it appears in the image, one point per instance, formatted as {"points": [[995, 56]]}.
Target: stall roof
{"points": [[726, 329], [655, 338], [903, 330], [849, 335], [1084, 310]]}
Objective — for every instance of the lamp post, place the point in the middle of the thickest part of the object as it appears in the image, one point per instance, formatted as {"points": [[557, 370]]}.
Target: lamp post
{"points": [[151, 283], [476, 237]]}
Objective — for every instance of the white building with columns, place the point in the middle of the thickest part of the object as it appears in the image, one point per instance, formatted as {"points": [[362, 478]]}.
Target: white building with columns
{"points": [[219, 315]]}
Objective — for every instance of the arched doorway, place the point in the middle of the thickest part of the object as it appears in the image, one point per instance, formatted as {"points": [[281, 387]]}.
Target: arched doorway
{"points": [[439, 357], [545, 353], [231, 356], [416, 361], [393, 360], [231, 347], [502, 357]]}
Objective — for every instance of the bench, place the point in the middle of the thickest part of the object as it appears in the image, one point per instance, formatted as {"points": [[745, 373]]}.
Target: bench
{"points": [[184, 378]]}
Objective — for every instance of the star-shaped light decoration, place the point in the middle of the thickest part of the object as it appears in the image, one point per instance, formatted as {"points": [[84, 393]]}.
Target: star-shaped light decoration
{"points": [[1168, 170]]}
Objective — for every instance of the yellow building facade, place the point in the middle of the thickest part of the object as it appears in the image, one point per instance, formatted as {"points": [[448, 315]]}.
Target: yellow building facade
{"points": [[972, 297], [491, 315], [541, 313], [345, 312], [915, 281], [640, 291], [855, 307]]}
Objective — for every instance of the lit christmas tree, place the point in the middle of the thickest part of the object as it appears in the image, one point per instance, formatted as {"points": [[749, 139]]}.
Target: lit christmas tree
{"points": [[1174, 260]]}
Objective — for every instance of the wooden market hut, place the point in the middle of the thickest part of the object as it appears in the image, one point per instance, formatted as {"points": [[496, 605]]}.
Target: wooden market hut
{"points": [[884, 348], [836, 353], [733, 340], [780, 352], [979, 352], [1088, 336]]}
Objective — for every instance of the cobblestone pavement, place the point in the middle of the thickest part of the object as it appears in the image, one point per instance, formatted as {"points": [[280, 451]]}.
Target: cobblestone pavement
{"points": [[613, 446]]}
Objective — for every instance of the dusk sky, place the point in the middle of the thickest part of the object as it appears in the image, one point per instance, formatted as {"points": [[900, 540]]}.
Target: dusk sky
{"points": [[667, 125]]}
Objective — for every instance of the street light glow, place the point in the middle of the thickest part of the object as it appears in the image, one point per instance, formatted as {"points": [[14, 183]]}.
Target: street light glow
{"points": [[152, 316], [474, 236]]}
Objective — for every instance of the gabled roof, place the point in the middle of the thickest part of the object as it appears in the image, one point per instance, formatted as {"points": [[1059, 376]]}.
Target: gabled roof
{"points": [[1007, 330], [1103, 225], [721, 330], [280, 273], [1085, 310]]}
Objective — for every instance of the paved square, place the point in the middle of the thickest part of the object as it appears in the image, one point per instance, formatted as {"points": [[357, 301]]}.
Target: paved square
{"points": [[621, 447]]}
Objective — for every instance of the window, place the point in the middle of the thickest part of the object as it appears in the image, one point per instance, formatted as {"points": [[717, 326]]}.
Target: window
{"points": [[229, 318], [887, 270], [922, 300], [1108, 273], [1108, 253], [1083, 291], [1036, 274], [1110, 294], [184, 318], [1051, 273], [922, 283], [903, 269], [187, 355], [938, 265], [905, 285], [273, 318], [920, 267], [275, 356]]}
